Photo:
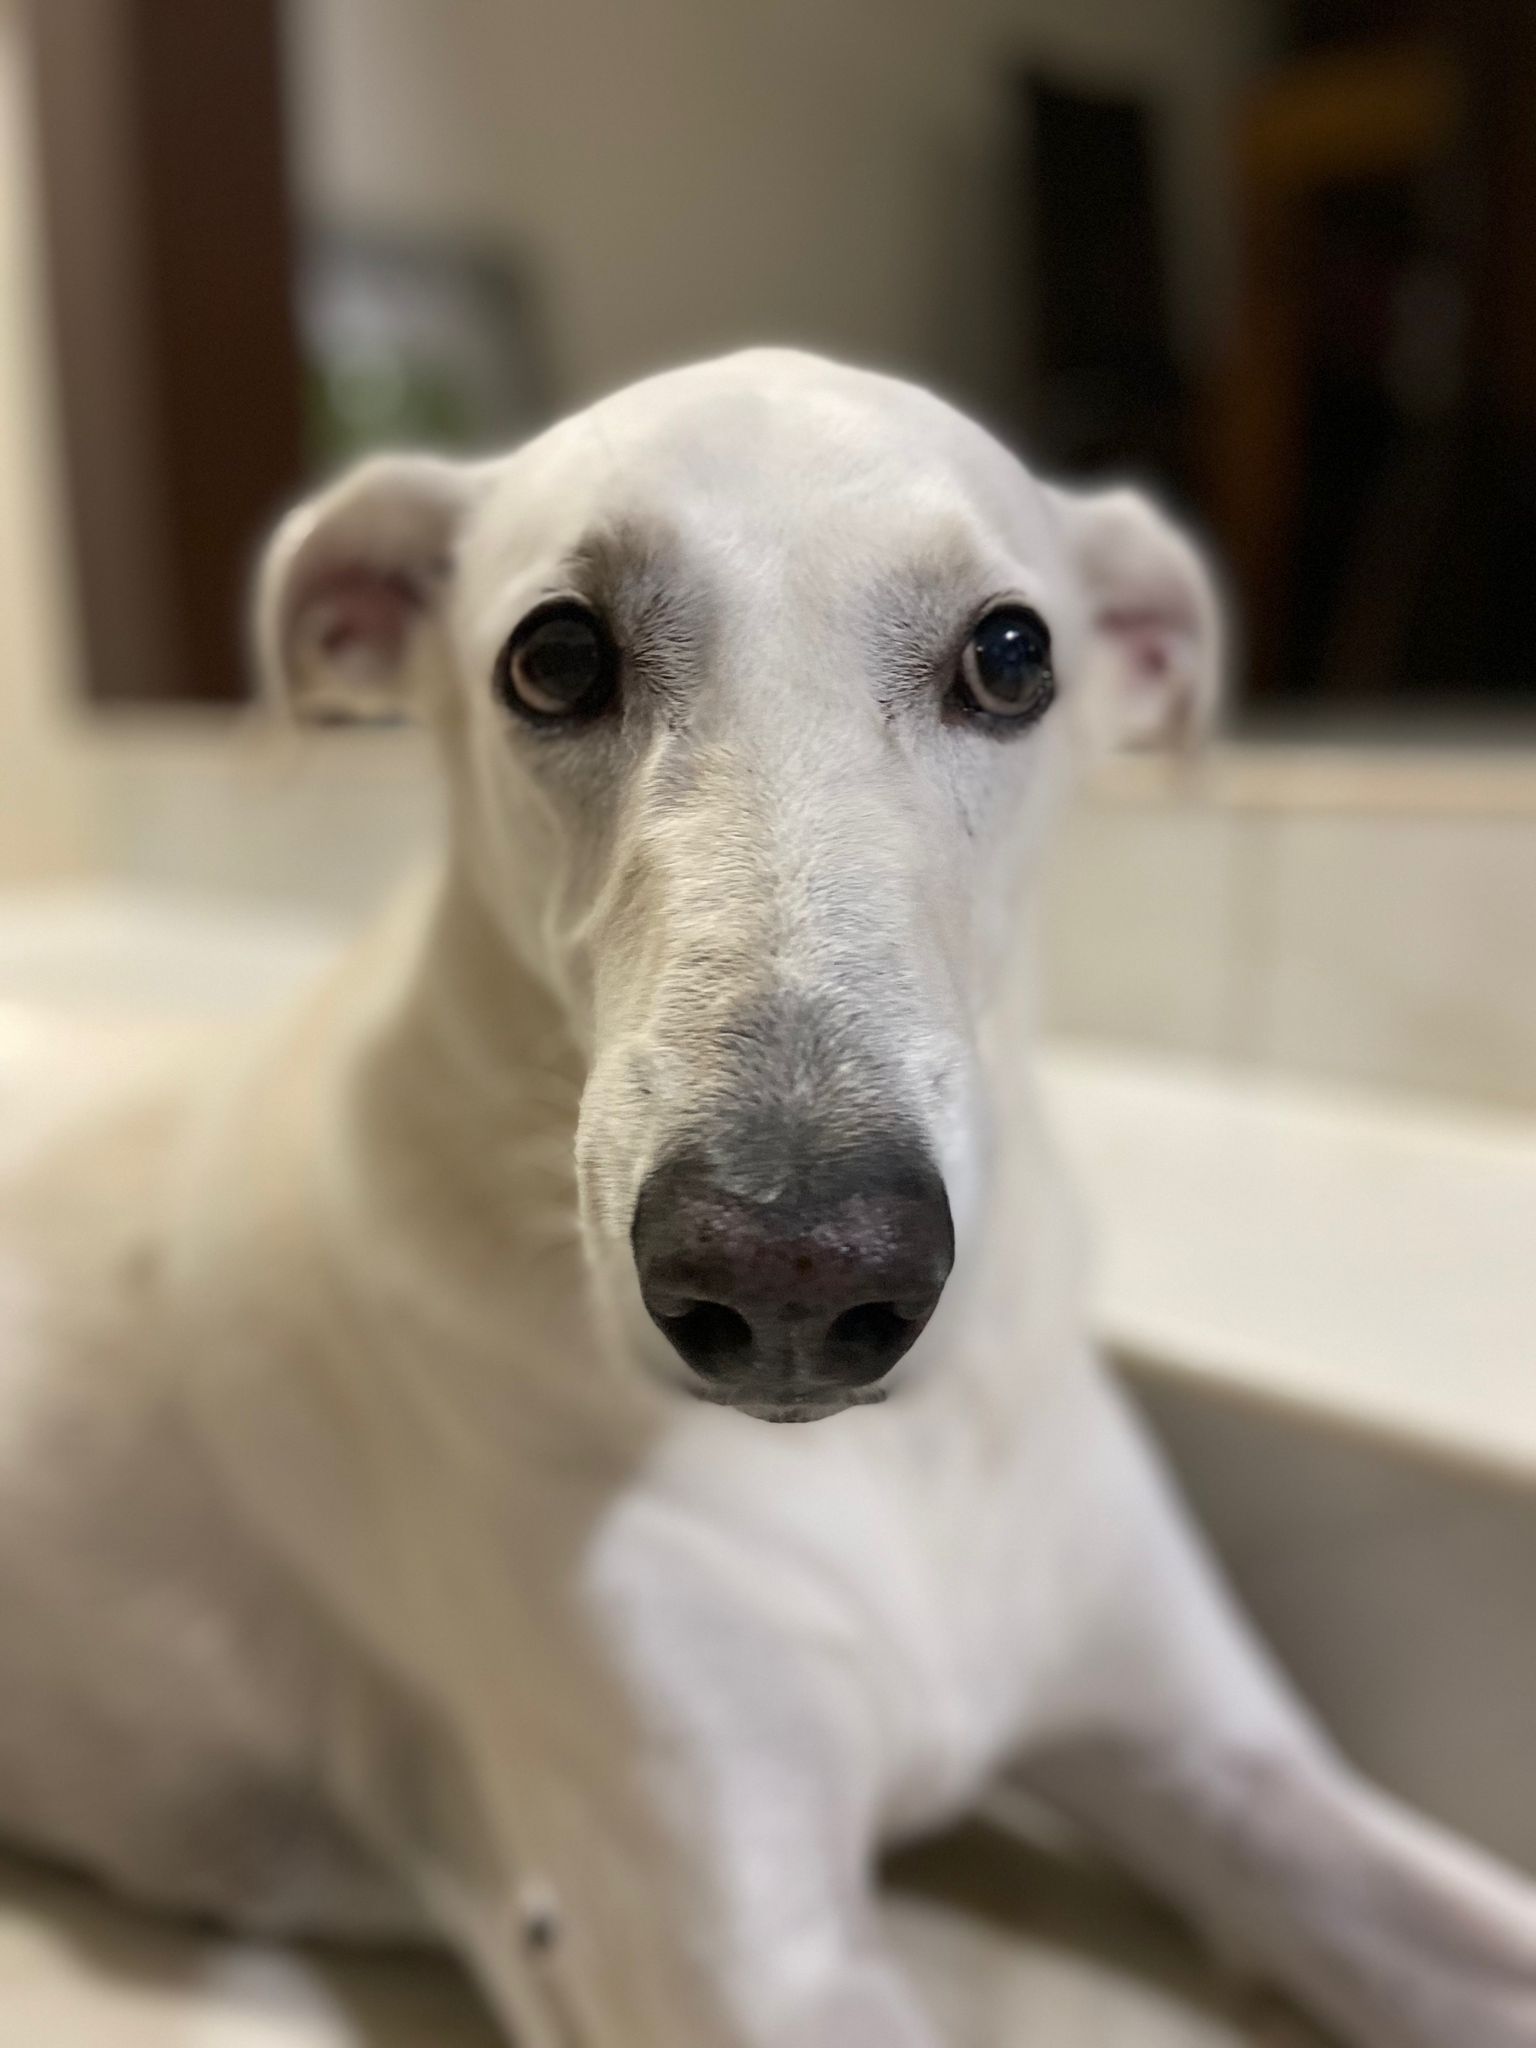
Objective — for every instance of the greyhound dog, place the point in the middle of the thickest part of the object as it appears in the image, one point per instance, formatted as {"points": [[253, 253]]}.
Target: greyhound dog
{"points": [[582, 1431]]}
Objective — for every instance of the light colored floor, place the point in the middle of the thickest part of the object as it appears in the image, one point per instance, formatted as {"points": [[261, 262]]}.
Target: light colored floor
{"points": [[1011, 1950]]}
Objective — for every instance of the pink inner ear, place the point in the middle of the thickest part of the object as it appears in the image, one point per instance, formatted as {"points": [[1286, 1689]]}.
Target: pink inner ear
{"points": [[1149, 634], [356, 611]]}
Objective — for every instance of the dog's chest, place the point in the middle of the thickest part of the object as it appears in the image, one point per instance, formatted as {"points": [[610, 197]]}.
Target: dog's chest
{"points": [[874, 1585]]}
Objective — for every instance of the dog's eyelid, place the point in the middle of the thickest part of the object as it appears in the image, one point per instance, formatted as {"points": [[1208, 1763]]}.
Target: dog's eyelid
{"points": [[1011, 598], [550, 602], [557, 594]]}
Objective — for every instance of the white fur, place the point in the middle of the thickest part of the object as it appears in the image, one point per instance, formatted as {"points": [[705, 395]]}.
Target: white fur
{"points": [[363, 1555]]}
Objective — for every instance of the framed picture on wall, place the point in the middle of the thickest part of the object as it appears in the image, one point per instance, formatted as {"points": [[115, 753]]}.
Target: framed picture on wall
{"points": [[411, 340]]}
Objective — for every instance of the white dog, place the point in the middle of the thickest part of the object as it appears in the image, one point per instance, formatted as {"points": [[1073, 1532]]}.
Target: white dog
{"points": [[397, 1516]]}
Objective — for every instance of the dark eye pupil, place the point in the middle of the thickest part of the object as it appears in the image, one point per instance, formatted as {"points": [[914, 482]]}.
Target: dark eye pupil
{"points": [[562, 660], [559, 665], [1012, 653]]}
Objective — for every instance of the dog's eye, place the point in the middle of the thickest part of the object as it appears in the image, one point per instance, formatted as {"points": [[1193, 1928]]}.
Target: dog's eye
{"points": [[1005, 668], [560, 664]]}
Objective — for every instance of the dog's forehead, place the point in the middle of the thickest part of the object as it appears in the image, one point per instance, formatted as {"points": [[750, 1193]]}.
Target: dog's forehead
{"points": [[770, 455]]}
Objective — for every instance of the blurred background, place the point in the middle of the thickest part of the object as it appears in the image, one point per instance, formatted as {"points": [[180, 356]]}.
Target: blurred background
{"points": [[1272, 256], [1266, 252]]}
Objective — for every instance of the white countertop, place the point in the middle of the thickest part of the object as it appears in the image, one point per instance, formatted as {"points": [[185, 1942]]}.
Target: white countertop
{"points": [[1373, 1259]]}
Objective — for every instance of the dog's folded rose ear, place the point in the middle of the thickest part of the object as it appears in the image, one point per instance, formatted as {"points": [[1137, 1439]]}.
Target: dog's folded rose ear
{"points": [[1156, 641], [350, 589]]}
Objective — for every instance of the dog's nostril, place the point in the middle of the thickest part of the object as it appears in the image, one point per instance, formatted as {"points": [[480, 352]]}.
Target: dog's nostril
{"points": [[874, 1330], [711, 1337], [824, 1282]]}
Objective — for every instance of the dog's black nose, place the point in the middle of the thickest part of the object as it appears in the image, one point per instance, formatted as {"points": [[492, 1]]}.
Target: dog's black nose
{"points": [[786, 1290]]}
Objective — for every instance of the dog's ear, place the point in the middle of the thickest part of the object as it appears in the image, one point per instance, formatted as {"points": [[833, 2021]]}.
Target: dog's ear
{"points": [[349, 591], [1155, 626]]}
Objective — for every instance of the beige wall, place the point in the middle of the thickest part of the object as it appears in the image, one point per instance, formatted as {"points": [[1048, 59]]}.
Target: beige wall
{"points": [[688, 176], [1357, 919]]}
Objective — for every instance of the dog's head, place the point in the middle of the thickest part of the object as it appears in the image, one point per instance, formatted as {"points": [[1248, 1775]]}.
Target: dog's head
{"points": [[755, 684]]}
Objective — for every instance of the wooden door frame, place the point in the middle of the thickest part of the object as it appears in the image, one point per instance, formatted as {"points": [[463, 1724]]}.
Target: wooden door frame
{"points": [[169, 248]]}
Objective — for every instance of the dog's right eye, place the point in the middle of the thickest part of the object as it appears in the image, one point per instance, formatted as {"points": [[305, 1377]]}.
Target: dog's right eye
{"points": [[559, 666]]}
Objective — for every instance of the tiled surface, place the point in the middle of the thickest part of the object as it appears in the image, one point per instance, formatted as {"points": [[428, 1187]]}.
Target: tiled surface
{"points": [[1394, 951], [1006, 1948], [99, 953], [1144, 927], [1402, 952], [324, 825]]}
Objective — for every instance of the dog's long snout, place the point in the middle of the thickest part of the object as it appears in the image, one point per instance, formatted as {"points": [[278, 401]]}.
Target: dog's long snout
{"points": [[789, 1297]]}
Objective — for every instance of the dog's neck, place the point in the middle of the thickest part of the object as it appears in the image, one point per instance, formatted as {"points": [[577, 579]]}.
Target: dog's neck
{"points": [[464, 1078], [486, 1024], [458, 1085]]}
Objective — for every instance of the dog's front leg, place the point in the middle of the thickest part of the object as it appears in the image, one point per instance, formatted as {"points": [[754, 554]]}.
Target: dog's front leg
{"points": [[552, 1943], [1174, 1741], [759, 1750], [674, 1851]]}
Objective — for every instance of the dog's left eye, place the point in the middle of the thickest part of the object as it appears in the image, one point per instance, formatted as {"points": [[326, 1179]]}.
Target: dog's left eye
{"points": [[1005, 667], [560, 665]]}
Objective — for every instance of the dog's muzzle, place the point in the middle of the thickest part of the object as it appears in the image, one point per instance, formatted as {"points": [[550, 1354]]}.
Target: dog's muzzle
{"points": [[792, 1294]]}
